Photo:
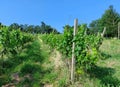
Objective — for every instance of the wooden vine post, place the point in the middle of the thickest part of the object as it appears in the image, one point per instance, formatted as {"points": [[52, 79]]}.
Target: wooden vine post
{"points": [[104, 30], [118, 30], [73, 53]]}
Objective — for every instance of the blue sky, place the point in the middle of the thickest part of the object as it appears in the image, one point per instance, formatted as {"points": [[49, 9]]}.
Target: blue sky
{"points": [[56, 13]]}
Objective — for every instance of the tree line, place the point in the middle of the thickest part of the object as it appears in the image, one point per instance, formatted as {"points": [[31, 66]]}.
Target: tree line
{"points": [[109, 19], [35, 29]]}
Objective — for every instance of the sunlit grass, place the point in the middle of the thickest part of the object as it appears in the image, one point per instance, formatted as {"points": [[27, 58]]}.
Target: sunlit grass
{"points": [[111, 47], [107, 71]]}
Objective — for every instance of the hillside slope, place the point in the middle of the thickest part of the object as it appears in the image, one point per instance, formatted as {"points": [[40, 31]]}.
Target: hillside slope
{"points": [[38, 65]]}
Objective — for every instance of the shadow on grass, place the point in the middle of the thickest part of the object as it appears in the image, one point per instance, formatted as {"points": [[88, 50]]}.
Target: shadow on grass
{"points": [[28, 65], [105, 56], [31, 52], [105, 75]]}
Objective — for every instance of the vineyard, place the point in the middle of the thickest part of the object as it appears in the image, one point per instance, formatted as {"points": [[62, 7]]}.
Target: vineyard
{"points": [[12, 40], [30, 60], [86, 51]]}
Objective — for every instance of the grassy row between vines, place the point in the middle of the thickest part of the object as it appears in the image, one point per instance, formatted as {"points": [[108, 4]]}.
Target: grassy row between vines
{"points": [[26, 68]]}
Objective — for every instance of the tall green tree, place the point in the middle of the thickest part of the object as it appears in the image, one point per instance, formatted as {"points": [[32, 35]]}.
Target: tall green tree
{"points": [[47, 28], [109, 20]]}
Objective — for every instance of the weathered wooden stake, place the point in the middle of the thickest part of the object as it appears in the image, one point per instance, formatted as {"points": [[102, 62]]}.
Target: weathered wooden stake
{"points": [[73, 55], [104, 30], [118, 30]]}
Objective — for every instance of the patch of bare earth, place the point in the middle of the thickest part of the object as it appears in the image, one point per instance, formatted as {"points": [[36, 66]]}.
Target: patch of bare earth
{"points": [[48, 85], [111, 63], [56, 58]]}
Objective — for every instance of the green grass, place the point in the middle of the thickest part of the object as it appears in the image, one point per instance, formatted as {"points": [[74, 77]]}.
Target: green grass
{"points": [[112, 48], [28, 65], [107, 71]]}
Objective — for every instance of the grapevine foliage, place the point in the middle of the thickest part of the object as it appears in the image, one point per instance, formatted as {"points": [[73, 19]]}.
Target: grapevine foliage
{"points": [[86, 46], [11, 40]]}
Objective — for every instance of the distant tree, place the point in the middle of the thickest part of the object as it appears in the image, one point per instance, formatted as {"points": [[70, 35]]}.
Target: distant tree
{"points": [[30, 28], [55, 31], [1, 25], [95, 27], [24, 27], [109, 20], [43, 28], [47, 28], [37, 29], [14, 26]]}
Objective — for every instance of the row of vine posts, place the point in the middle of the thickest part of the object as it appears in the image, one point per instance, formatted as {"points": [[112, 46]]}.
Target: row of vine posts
{"points": [[73, 47], [118, 34], [104, 30]]}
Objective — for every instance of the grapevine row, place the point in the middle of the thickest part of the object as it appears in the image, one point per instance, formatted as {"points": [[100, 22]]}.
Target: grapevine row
{"points": [[11, 40], [86, 46]]}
